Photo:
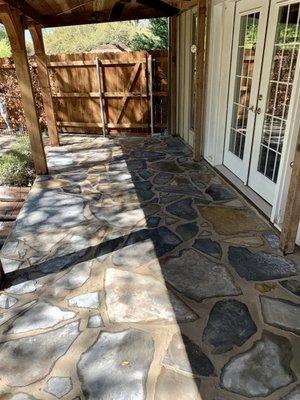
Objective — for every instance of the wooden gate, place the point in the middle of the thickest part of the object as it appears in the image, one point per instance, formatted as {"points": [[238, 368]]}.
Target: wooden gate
{"points": [[122, 87], [113, 98]]}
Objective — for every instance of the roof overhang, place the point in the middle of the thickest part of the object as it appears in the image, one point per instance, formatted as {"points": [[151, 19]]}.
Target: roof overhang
{"points": [[53, 13]]}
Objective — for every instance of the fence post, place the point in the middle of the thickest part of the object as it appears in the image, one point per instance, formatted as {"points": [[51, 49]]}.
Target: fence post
{"points": [[150, 83], [101, 97]]}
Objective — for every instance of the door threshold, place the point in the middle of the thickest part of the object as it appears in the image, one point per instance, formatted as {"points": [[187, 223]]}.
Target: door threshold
{"points": [[264, 207]]}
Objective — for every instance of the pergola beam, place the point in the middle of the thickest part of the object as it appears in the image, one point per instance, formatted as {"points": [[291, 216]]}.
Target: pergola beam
{"points": [[41, 61], [15, 30], [161, 6], [93, 17], [26, 9], [200, 75], [292, 211]]}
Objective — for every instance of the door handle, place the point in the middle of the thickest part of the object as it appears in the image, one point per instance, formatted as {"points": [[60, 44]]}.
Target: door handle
{"points": [[251, 108], [258, 111]]}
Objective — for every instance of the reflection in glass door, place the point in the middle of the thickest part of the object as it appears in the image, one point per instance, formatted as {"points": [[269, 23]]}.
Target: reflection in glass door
{"points": [[248, 45], [276, 98], [243, 83]]}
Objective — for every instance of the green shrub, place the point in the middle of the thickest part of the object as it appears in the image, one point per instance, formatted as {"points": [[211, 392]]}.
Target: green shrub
{"points": [[16, 166]]}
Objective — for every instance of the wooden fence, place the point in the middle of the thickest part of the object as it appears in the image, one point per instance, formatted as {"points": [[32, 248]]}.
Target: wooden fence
{"points": [[116, 97]]}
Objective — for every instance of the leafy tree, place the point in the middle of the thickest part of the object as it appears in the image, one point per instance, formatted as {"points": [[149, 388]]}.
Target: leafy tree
{"points": [[84, 38], [155, 39], [4, 44]]}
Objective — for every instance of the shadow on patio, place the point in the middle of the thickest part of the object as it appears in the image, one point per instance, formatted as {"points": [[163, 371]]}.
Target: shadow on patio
{"points": [[136, 273]]}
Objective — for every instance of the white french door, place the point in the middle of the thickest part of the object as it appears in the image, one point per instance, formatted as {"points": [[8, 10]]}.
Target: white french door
{"points": [[264, 82], [248, 45]]}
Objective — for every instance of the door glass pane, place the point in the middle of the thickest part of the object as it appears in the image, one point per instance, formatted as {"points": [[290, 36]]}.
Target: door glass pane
{"points": [[243, 83], [285, 55], [193, 77]]}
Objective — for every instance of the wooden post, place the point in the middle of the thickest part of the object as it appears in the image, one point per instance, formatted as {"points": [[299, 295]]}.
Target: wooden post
{"points": [[102, 102], [41, 61], [15, 31], [173, 75], [292, 211], [200, 71]]}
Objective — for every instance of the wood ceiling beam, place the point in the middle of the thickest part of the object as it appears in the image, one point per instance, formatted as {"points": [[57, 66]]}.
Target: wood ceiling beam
{"points": [[117, 10], [165, 8], [93, 17], [26, 10]]}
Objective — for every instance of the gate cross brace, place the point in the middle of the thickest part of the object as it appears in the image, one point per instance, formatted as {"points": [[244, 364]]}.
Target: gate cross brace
{"points": [[128, 89]]}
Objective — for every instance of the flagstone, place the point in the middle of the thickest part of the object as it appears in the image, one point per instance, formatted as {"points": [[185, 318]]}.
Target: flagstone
{"points": [[209, 247], [293, 395], [162, 178], [168, 198], [74, 278], [118, 216], [273, 240], [260, 266], [59, 386], [291, 285], [41, 315], [187, 231], [144, 191], [132, 297], [95, 321], [245, 241], [162, 238], [197, 277], [131, 234], [185, 355], [167, 166], [220, 192], [22, 396], [50, 209], [135, 255], [21, 286], [222, 219], [35, 355], [7, 301], [260, 370], [282, 314], [229, 324], [182, 209], [176, 386], [153, 222], [86, 300], [112, 368]]}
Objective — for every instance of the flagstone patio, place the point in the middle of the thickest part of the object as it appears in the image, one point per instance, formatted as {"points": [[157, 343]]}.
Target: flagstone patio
{"points": [[135, 273]]}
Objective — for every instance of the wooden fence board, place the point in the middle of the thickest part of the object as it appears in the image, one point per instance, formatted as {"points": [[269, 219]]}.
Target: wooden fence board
{"points": [[76, 96]]}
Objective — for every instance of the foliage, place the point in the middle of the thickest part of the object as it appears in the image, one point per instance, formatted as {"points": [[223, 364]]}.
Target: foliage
{"points": [[4, 44], [84, 38], [285, 34], [10, 88], [155, 39], [16, 165]]}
